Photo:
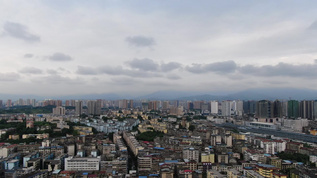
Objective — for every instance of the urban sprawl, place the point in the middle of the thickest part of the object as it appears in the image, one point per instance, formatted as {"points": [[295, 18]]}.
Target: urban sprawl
{"points": [[158, 139]]}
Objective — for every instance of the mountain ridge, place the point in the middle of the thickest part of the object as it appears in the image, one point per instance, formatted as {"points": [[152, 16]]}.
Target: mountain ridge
{"points": [[249, 94]]}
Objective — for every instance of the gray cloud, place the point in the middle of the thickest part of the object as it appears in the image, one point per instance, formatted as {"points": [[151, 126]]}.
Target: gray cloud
{"points": [[111, 70], [217, 67], [140, 41], [56, 79], [115, 71], [132, 73], [52, 71], [313, 26], [170, 66], [28, 55], [123, 81], [281, 69], [30, 70], [143, 64], [9, 77], [173, 77], [59, 70], [19, 31], [86, 70], [60, 57]]}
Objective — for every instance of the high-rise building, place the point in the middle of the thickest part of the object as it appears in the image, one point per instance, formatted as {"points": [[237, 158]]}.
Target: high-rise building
{"points": [[94, 107], [153, 105], [226, 108], [264, 109], [33, 102], [21, 102], [190, 105], [277, 109], [197, 104], [145, 106], [204, 107], [98, 107], [238, 107], [214, 107], [28, 102], [79, 107], [91, 107], [306, 109], [165, 105], [249, 107], [123, 104], [9, 103], [59, 103], [72, 102], [284, 108], [59, 110], [315, 110], [67, 103], [293, 109], [131, 104]]}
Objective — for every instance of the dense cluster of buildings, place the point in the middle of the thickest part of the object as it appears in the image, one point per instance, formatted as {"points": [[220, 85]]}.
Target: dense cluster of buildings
{"points": [[200, 139], [227, 108]]}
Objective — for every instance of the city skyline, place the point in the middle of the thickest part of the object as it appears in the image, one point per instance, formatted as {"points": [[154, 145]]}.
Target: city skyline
{"points": [[53, 48]]}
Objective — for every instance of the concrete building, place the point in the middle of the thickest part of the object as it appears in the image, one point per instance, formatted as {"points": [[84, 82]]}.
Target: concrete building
{"points": [[226, 108], [213, 107], [144, 163], [79, 107], [265, 170], [132, 143], [59, 110], [191, 154], [264, 109], [293, 109], [208, 158], [306, 109], [82, 164], [94, 107]]}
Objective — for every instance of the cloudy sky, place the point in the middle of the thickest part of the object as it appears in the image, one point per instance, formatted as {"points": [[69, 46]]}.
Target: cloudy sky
{"points": [[58, 47]]}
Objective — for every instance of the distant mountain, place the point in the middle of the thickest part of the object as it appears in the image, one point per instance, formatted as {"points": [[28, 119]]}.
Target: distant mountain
{"points": [[106, 96], [275, 93], [15, 97], [168, 95], [250, 94]]}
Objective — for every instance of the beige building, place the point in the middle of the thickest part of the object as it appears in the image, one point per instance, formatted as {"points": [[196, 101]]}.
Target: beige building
{"points": [[208, 158], [37, 136], [83, 130], [59, 110], [145, 163], [215, 174], [132, 143]]}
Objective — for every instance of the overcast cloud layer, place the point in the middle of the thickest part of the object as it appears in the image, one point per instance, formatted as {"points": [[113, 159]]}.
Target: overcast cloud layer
{"points": [[138, 47]]}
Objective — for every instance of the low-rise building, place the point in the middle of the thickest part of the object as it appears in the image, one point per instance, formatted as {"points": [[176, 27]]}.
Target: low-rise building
{"points": [[82, 164]]}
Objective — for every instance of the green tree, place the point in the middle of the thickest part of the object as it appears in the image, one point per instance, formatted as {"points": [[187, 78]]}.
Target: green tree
{"points": [[149, 136]]}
